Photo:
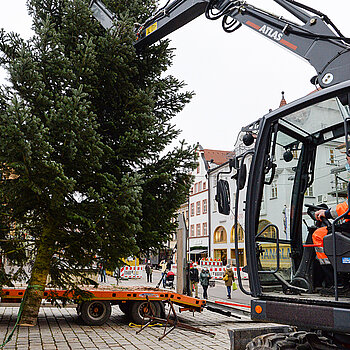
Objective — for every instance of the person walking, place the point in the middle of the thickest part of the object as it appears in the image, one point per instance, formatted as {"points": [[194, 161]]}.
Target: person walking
{"points": [[194, 279], [228, 280], [163, 265], [102, 272], [204, 278], [149, 271]]}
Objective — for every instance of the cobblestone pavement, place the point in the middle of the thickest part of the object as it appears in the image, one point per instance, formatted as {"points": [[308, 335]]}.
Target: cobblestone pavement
{"points": [[61, 329]]}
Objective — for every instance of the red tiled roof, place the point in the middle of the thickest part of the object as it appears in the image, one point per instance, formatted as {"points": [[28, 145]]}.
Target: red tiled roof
{"points": [[218, 157]]}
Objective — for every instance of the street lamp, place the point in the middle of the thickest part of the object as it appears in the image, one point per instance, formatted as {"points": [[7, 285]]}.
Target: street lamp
{"points": [[102, 14]]}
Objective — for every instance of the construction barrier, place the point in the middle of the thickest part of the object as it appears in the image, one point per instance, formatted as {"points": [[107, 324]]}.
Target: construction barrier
{"points": [[129, 272], [244, 275], [206, 262], [216, 270], [217, 273]]}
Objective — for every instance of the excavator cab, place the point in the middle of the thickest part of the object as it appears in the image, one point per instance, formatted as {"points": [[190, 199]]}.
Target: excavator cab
{"points": [[297, 166]]}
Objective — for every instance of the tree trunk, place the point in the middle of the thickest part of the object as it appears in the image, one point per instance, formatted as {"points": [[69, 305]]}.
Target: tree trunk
{"points": [[37, 283]]}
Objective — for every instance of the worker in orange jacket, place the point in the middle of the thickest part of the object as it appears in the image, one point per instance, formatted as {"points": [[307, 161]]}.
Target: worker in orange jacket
{"points": [[331, 213]]}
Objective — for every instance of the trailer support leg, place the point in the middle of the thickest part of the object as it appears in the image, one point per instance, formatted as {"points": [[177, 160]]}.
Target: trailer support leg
{"points": [[173, 323]]}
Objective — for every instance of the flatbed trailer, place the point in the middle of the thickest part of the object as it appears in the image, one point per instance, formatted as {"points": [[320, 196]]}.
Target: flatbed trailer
{"points": [[133, 301]]}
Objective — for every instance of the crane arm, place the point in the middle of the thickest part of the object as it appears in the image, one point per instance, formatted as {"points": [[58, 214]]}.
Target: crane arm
{"points": [[317, 40]]}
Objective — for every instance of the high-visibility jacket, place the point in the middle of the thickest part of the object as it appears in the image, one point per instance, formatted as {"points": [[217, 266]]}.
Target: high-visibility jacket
{"points": [[338, 210], [318, 235]]}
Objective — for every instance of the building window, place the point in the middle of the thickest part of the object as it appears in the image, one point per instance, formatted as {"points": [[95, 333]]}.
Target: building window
{"points": [[192, 209], [191, 191], [220, 235], [204, 229], [198, 168], [198, 229], [269, 232], [198, 208], [331, 156], [240, 234], [215, 205], [309, 192], [186, 214], [200, 186], [295, 154], [205, 206], [195, 188], [192, 230], [204, 186], [274, 190]]}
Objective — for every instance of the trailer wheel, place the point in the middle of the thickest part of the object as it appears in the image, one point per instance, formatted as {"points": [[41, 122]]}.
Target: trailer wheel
{"points": [[140, 312], [161, 306], [95, 312], [287, 341]]}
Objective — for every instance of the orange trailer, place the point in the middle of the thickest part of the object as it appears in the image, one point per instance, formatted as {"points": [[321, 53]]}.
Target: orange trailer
{"points": [[132, 301]]}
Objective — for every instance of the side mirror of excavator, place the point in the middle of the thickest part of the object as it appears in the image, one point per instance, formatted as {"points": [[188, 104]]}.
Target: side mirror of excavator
{"points": [[223, 196]]}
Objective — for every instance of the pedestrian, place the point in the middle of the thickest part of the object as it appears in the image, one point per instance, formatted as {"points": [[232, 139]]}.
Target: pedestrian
{"points": [[229, 279], [102, 273], [194, 279], [163, 266], [149, 271], [204, 278]]}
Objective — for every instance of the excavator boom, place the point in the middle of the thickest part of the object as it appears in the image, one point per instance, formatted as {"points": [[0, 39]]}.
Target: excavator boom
{"points": [[317, 40]]}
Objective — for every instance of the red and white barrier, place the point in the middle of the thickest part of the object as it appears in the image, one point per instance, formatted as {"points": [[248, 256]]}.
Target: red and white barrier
{"points": [[217, 273], [244, 275], [129, 271], [216, 269], [210, 263]]}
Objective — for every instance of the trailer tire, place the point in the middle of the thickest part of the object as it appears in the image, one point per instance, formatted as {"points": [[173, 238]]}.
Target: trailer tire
{"points": [[285, 341], [95, 312], [139, 311], [161, 308]]}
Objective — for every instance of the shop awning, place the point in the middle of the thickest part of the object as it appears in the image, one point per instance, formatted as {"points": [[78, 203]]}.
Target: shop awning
{"points": [[198, 251]]}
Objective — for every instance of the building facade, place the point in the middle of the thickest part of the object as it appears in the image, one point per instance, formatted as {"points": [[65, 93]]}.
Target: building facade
{"points": [[198, 203]]}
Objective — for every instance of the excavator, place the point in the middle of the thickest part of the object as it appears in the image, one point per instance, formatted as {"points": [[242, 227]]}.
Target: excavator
{"points": [[299, 154]]}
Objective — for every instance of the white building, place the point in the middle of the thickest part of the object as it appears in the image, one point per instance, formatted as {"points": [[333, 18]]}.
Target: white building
{"points": [[198, 223], [328, 187]]}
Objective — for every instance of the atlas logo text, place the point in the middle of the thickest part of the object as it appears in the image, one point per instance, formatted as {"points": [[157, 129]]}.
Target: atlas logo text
{"points": [[270, 32]]}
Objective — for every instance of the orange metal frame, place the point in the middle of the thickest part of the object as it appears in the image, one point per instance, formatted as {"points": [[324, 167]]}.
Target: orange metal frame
{"points": [[114, 295]]}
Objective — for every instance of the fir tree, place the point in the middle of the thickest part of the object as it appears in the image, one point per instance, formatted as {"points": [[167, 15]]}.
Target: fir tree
{"points": [[84, 124]]}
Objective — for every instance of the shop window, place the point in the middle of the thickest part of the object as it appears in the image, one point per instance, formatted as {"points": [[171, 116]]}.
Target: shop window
{"points": [[268, 233], [240, 234], [220, 235]]}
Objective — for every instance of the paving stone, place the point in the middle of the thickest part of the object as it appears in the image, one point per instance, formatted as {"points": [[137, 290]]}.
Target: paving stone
{"points": [[60, 329]]}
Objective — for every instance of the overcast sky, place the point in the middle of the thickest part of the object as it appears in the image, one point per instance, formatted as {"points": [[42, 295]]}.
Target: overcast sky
{"points": [[237, 77]]}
